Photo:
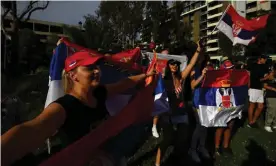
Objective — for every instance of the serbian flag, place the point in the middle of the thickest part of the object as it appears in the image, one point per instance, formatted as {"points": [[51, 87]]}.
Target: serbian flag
{"points": [[222, 97], [238, 29], [161, 101], [129, 59], [162, 59]]}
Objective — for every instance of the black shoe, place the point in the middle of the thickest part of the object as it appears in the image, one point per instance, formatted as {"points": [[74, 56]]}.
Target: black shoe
{"points": [[204, 152], [227, 151], [254, 125]]}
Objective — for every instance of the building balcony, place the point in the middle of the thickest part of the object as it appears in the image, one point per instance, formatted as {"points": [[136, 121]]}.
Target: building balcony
{"points": [[211, 49], [192, 10], [250, 1], [214, 15], [204, 13], [212, 24], [209, 32], [209, 1], [215, 7], [251, 10], [203, 21], [209, 41], [203, 28]]}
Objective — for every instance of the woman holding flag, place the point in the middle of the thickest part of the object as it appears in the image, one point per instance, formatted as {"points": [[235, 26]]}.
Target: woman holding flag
{"points": [[175, 124], [74, 114], [200, 132]]}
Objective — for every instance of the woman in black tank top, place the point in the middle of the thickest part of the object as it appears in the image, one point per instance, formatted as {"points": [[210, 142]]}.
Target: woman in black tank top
{"points": [[73, 115], [174, 124]]}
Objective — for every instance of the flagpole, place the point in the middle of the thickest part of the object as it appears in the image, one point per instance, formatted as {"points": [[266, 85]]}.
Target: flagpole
{"points": [[221, 18]]}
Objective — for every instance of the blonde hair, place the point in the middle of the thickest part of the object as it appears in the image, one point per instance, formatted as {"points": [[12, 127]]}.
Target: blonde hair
{"points": [[66, 82]]}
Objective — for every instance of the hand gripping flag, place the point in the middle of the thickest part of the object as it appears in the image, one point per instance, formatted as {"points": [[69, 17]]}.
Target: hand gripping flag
{"points": [[222, 97], [238, 29], [163, 58]]}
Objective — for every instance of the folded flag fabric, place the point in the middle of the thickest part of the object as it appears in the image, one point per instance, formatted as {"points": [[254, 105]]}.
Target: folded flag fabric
{"points": [[55, 90], [127, 56], [161, 102], [112, 74], [72, 47], [163, 58], [222, 97], [238, 29]]}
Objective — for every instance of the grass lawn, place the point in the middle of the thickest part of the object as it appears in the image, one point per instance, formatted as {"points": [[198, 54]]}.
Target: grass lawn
{"points": [[251, 147]]}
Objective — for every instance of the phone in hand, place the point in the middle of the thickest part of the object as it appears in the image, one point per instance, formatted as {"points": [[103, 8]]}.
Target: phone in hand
{"points": [[202, 42]]}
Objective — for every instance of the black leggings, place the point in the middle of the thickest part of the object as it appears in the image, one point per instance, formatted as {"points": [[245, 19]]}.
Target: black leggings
{"points": [[199, 134], [176, 135], [199, 137]]}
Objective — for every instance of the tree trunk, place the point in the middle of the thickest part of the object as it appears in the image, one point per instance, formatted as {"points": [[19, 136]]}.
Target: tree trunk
{"points": [[13, 66]]}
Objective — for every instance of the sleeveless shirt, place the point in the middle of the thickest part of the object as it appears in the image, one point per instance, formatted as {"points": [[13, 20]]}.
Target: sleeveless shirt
{"points": [[80, 118], [176, 97]]}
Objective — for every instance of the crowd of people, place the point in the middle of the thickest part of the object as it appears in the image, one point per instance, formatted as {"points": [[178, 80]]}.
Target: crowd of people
{"points": [[85, 94]]}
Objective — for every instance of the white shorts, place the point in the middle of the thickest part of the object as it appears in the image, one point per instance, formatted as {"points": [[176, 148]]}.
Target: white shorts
{"points": [[256, 96]]}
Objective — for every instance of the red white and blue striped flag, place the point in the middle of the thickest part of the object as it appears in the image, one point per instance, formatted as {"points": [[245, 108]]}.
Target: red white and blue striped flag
{"points": [[238, 29]]}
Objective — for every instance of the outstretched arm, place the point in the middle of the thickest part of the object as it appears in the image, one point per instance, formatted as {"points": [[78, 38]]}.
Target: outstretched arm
{"points": [[192, 63], [26, 137], [125, 84]]}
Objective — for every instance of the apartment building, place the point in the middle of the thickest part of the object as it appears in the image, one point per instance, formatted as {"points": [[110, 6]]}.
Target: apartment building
{"points": [[253, 7], [203, 16], [42, 28]]}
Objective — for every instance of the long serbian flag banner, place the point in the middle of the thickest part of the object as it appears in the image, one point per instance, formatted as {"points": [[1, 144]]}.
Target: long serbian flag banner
{"points": [[129, 59], [238, 29], [222, 97], [163, 58], [80, 152]]}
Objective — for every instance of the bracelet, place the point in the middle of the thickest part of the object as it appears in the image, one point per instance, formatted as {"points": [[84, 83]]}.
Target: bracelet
{"points": [[197, 51]]}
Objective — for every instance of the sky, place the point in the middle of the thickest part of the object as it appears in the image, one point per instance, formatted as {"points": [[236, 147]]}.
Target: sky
{"points": [[67, 12]]}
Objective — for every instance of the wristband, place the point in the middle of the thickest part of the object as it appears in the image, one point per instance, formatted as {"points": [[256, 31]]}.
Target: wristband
{"points": [[197, 51]]}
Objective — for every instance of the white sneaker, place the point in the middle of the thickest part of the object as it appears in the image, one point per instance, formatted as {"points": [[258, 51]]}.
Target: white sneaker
{"points": [[154, 132], [268, 129], [274, 127]]}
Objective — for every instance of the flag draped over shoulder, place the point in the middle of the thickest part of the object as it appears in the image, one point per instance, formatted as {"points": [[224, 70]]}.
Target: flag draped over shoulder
{"points": [[222, 97], [125, 109], [238, 29]]}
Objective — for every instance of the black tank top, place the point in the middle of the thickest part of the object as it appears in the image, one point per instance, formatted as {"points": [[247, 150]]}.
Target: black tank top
{"points": [[176, 97], [80, 118]]}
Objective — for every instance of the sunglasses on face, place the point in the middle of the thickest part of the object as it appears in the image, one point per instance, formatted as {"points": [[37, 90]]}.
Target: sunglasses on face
{"points": [[173, 63]]}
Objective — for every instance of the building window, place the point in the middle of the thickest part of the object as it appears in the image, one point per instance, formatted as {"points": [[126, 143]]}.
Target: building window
{"points": [[56, 29], [41, 27], [213, 3], [27, 25]]}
